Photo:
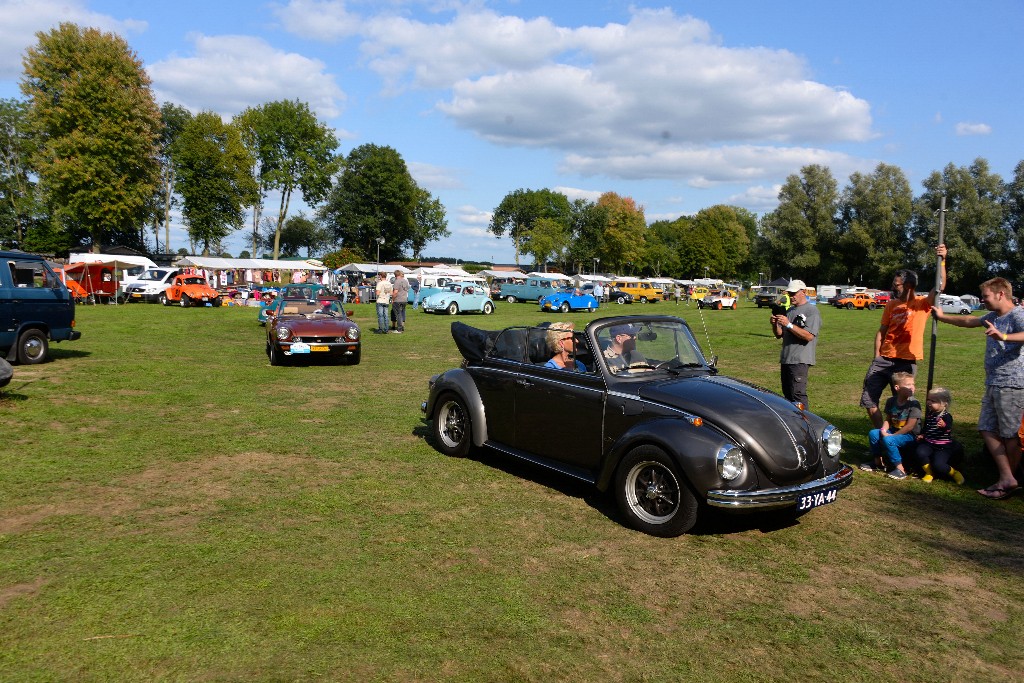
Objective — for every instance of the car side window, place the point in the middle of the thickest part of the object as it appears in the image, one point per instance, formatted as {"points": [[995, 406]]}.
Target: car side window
{"points": [[510, 345]]}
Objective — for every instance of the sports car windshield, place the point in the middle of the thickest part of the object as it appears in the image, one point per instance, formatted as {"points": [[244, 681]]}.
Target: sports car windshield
{"points": [[649, 346]]}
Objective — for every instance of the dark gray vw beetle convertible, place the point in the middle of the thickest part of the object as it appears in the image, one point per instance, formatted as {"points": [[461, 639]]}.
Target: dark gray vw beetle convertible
{"points": [[649, 418]]}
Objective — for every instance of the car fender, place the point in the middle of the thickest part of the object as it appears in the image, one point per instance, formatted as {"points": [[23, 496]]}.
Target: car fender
{"points": [[460, 382], [692, 447]]}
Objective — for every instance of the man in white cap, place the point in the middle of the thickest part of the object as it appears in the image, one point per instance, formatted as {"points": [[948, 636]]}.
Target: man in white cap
{"points": [[798, 328]]}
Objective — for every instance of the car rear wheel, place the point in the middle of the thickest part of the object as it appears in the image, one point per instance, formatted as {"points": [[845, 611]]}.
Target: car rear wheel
{"points": [[871, 306], [652, 494], [643, 299], [510, 299], [452, 426], [32, 347], [564, 308], [965, 311], [850, 306], [488, 308], [453, 308]]}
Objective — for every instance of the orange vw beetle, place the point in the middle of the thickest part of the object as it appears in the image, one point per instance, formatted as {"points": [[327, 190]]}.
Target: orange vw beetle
{"points": [[190, 290]]}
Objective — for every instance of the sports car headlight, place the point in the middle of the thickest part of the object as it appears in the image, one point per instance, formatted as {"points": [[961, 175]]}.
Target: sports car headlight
{"points": [[833, 440], [731, 462], [284, 334], [353, 333]]}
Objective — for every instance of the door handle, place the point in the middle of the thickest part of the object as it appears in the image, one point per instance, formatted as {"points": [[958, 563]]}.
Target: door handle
{"points": [[524, 382]]}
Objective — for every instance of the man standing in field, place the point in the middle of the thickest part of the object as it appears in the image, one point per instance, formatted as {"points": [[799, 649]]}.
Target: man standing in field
{"points": [[798, 328], [1003, 404], [383, 291], [899, 342], [399, 299]]}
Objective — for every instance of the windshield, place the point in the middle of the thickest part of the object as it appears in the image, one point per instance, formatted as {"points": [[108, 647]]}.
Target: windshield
{"points": [[194, 281], [153, 275], [644, 347]]}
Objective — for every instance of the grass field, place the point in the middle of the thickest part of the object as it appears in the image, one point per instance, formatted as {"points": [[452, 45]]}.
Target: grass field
{"points": [[173, 508]]}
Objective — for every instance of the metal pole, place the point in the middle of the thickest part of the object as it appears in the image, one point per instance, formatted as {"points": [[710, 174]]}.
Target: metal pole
{"points": [[939, 286]]}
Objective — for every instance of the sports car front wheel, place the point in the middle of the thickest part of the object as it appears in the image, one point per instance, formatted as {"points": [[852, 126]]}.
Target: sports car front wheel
{"points": [[452, 426], [652, 494]]}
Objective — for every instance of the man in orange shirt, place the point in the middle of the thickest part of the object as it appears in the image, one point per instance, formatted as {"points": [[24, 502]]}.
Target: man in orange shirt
{"points": [[899, 342]]}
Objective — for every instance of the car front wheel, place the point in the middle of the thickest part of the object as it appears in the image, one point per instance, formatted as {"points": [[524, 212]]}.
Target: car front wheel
{"points": [[564, 308], [276, 356], [164, 300], [652, 495], [510, 299], [183, 301], [620, 300], [850, 306], [32, 347], [452, 427]]}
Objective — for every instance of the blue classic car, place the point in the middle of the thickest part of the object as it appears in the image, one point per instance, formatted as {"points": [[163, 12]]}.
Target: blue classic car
{"points": [[642, 415], [468, 297], [569, 299]]}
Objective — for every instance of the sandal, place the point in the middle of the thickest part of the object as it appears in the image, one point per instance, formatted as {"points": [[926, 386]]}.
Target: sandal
{"points": [[998, 492]]}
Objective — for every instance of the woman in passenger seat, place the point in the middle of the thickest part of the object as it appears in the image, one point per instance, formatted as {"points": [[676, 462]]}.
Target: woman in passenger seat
{"points": [[562, 343]]}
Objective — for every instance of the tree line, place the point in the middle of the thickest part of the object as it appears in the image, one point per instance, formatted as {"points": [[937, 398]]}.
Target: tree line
{"points": [[88, 158]]}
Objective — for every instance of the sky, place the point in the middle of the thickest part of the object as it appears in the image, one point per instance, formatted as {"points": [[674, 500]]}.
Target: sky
{"points": [[679, 105]]}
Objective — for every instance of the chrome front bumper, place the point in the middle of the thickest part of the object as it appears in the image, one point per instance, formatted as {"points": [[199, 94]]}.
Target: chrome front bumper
{"points": [[783, 496]]}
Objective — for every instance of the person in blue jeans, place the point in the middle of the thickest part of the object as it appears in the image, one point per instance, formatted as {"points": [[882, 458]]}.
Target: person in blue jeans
{"points": [[901, 426]]}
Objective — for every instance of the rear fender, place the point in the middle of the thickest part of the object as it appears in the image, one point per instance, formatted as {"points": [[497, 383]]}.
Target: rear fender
{"points": [[460, 382]]}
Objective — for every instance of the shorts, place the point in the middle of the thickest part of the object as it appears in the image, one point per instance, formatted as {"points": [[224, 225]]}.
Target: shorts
{"points": [[880, 376], [1001, 411]]}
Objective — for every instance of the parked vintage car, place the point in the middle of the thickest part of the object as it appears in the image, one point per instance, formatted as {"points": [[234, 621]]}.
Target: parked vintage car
{"points": [[882, 298], [953, 304], [321, 329], [150, 284], [569, 299], [304, 291], [610, 294], [35, 308], [860, 300], [654, 424], [189, 290], [642, 291], [718, 299], [456, 297]]}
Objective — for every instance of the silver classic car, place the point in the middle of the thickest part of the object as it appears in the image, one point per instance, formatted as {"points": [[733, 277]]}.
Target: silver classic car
{"points": [[643, 415]]}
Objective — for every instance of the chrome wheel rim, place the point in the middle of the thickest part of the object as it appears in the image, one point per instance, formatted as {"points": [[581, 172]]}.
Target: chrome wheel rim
{"points": [[451, 421], [652, 492]]}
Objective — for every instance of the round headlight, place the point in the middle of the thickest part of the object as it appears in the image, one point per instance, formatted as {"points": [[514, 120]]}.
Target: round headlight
{"points": [[353, 333], [833, 440], [731, 462], [283, 333]]}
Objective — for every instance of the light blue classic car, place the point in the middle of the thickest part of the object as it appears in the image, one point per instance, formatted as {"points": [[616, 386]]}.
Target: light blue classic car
{"points": [[456, 297], [569, 299]]}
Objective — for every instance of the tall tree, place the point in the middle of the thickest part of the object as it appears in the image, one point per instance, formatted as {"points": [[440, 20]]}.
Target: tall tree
{"points": [[548, 238], [587, 222], [213, 178], [727, 244], [622, 243], [374, 198], [1013, 216], [974, 224], [299, 232], [803, 227], [17, 189], [97, 125], [519, 210], [430, 222], [174, 119], [292, 150], [875, 214]]}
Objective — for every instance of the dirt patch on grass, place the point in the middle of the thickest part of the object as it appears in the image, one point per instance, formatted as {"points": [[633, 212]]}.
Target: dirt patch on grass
{"points": [[8, 593], [178, 493]]}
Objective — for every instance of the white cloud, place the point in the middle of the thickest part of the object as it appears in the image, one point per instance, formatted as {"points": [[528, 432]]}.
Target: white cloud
{"points": [[573, 193], [757, 198], [317, 19], [964, 128], [21, 19], [433, 178], [229, 73], [472, 216]]}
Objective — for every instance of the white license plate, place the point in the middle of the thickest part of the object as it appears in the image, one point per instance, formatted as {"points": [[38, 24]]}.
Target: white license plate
{"points": [[813, 500], [300, 347]]}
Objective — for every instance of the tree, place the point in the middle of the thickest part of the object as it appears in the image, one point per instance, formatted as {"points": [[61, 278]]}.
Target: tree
{"points": [[547, 239], [174, 119], [587, 222], [726, 245], [298, 233], [521, 209], [18, 205], [291, 150], [213, 178], [622, 242], [974, 224], [801, 233], [430, 223], [1013, 216], [96, 124], [875, 215], [375, 197]]}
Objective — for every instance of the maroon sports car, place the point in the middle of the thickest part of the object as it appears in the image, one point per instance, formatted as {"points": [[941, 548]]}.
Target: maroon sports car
{"points": [[303, 329]]}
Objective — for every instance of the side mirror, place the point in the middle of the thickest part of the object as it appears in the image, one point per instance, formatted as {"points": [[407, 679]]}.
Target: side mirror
{"points": [[349, 313]]}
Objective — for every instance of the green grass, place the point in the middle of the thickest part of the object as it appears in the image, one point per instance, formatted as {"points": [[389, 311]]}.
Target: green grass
{"points": [[173, 508]]}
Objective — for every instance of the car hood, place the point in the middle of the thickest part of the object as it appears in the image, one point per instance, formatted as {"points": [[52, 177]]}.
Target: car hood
{"points": [[783, 440], [319, 326]]}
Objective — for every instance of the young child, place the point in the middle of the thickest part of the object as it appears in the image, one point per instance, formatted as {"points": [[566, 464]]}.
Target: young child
{"points": [[935, 447], [901, 426]]}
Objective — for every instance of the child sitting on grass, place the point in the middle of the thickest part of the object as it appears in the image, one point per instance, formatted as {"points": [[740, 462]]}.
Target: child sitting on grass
{"points": [[936, 450], [901, 427]]}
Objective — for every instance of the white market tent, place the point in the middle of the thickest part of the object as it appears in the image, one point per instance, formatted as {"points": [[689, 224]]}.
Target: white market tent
{"points": [[507, 274], [550, 276], [215, 263], [370, 269]]}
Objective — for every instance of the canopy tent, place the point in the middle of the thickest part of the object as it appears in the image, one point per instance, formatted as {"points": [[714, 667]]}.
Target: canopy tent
{"points": [[215, 263], [88, 274], [550, 276], [370, 269], [514, 274]]}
